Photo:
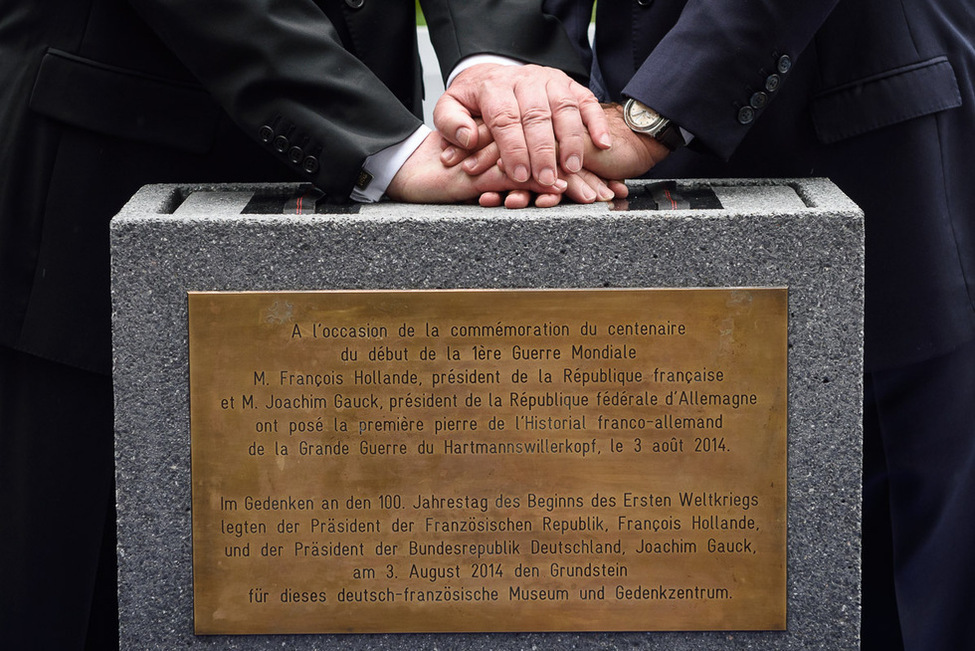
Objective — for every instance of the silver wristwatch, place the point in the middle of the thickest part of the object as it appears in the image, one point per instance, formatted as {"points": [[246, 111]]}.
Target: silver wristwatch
{"points": [[643, 119]]}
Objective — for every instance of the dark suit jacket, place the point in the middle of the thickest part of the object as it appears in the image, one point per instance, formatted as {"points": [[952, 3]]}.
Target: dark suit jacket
{"points": [[874, 94], [103, 96]]}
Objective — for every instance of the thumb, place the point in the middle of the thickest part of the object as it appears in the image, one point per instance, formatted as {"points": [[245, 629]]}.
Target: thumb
{"points": [[454, 122]]}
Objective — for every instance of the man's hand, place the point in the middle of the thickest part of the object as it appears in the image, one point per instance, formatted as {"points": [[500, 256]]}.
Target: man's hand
{"points": [[632, 156], [425, 179], [582, 186], [540, 119]]}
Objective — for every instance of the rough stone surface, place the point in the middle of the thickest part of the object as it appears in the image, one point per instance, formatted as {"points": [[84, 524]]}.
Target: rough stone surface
{"points": [[803, 234]]}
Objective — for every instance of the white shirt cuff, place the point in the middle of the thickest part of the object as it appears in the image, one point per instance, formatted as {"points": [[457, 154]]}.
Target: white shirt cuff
{"points": [[384, 164], [475, 59]]}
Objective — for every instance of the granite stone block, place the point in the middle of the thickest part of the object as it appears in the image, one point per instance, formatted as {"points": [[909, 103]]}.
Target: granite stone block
{"points": [[802, 234]]}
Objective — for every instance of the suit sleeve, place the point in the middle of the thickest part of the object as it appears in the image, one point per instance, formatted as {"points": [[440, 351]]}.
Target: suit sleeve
{"points": [[518, 29], [280, 71], [723, 62], [575, 16]]}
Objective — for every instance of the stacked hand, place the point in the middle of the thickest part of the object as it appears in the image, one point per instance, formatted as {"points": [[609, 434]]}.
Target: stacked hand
{"points": [[425, 179], [539, 118], [519, 131]]}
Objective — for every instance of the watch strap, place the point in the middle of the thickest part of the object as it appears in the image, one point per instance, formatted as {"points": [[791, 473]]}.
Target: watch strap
{"points": [[670, 136]]}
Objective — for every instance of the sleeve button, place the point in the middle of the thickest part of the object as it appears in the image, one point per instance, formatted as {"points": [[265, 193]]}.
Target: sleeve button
{"points": [[784, 64], [746, 115], [310, 165]]}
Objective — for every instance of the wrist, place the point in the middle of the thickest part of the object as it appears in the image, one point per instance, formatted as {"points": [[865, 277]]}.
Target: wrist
{"points": [[644, 150]]}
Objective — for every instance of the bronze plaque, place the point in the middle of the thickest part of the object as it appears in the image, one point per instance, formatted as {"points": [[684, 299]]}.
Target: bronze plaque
{"points": [[489, 460]]}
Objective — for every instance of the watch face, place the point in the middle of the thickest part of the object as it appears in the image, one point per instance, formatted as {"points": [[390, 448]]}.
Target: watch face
{"points": [[641, 117]]}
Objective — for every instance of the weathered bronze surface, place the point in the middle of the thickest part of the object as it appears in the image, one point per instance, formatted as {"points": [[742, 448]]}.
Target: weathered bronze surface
{"points": [[482, 460]]}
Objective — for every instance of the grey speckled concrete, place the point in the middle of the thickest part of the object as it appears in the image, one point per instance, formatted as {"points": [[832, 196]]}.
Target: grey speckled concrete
{"points": [[803, 234]]}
